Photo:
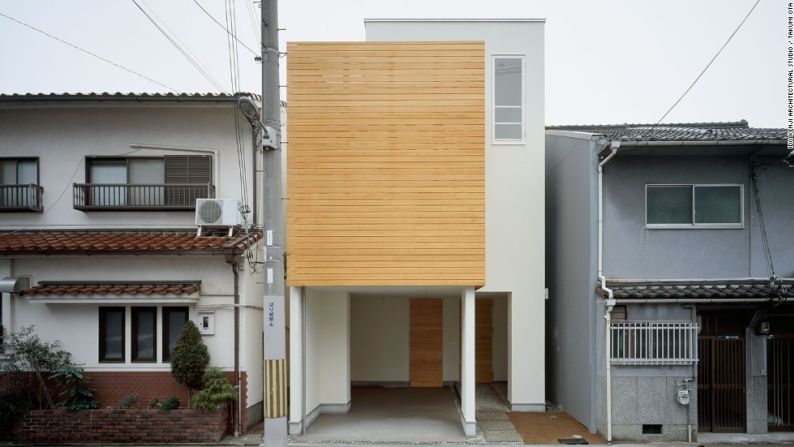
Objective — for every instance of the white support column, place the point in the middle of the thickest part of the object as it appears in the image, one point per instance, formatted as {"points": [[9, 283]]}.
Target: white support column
{"points": [[296, 310], [467, 379]]}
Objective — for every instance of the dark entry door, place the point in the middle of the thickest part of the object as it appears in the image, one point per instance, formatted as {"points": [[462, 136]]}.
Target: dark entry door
{"points": [[721, 384], [780, 382]]}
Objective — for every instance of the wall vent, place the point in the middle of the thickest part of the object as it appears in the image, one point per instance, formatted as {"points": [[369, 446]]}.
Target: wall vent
{"points": [[651, 429]]}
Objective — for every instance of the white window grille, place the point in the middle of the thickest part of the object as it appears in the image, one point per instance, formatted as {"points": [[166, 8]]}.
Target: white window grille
{"points": [[654, 343]]}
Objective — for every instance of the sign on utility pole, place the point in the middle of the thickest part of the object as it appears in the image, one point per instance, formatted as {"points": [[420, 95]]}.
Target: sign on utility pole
{"points": [[275, 361]]}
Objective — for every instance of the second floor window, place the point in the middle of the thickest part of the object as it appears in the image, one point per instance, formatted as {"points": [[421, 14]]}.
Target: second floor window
{"points": [[19, 184], [172, 181], [694, 206], [508, 99]]}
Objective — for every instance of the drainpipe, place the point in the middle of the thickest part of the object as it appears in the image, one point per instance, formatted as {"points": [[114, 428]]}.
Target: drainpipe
{"points": [[232, 260], [610, 301]]}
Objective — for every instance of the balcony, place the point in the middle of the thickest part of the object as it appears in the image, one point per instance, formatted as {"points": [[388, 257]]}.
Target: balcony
{"points": [[140, 197], [16, 198]]}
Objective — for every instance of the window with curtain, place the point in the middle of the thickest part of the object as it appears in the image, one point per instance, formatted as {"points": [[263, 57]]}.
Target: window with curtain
{"points": [[174, 319], [144, 334], [111, 334]]}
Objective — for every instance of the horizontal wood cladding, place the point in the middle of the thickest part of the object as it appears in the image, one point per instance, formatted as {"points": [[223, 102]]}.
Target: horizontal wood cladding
{"points": [[386, 163]]}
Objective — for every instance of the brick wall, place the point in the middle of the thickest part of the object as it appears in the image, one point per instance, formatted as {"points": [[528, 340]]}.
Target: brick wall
{"points": [[111, 387], [120, 426]]}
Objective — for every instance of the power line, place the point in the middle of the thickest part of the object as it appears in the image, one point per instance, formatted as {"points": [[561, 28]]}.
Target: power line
{"points": [[90, 53], [707, 65], [181, 50], [254, 22], [207, 13]]}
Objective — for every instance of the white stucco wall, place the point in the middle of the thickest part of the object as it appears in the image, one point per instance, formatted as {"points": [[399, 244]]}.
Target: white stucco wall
{"points": [[327, 348], [63, 136], [379, 339], [251, 319], [77, 325], [514, 190]]}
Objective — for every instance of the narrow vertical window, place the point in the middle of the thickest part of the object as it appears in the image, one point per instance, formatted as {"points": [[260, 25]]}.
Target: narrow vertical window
{"points": [[508, 100], [174, 319], [111, 334], [144, 330]]}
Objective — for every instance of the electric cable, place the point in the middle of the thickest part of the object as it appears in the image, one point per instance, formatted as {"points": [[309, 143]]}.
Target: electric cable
{"points": [[90, 53], [207, 13], [179, 48]]}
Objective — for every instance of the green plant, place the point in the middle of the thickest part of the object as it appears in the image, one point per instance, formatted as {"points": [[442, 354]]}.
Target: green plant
{"points": [[190, 357], [13, 405], [129, 400], [24, 351], [78, 396], [217, 391], [154, 402], [172, 403]]}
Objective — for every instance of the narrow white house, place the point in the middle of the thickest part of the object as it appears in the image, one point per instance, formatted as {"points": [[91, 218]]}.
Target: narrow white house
{"points": [[99, 246], [415, 223]]}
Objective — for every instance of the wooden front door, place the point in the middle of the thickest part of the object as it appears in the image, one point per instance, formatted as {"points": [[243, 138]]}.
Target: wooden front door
{"points": [[483, 372], [721, 384], [427, 336], [780, 400]]}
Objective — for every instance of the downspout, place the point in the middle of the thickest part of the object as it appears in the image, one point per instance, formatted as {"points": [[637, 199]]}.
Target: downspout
{"points": [[255, 153], [231, 259], [610, 301]]}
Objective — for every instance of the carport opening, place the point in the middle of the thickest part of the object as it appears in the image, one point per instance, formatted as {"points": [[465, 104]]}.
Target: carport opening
{"points": [[405, 368]]}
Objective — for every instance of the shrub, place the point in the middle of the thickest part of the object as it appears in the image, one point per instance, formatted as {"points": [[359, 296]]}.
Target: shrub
{"points": [[217, 391], [129, 401], [24, 351], [78, 396], [154, 402], [13, 405], [190, 357], [172, 403]]}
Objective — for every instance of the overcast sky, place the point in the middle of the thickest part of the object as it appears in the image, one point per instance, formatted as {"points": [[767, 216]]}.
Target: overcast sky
{"points": [[607, 61]]}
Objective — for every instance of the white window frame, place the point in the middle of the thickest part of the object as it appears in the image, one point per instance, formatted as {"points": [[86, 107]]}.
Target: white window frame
{"points": [[694, 224], [507, 142]]}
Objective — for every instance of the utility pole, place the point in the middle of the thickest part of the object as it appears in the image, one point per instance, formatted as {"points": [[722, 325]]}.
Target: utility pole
{"points": [[275, 361]]}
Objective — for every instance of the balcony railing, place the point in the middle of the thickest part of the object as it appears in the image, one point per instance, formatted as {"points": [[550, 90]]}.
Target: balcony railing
{"points": [[140, 197], [15, 198]]}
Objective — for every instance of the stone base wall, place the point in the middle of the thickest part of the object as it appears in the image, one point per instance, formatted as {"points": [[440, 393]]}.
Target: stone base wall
{"points": [[120, 426]]}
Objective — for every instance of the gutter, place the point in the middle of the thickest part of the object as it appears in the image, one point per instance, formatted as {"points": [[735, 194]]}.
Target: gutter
{"points": [[629, 143], [610, 301], [700, 300]]}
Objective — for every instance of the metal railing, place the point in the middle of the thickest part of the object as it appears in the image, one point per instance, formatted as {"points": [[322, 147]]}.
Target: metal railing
{"points": [[21, 198], [654, 343], [140, 197]]}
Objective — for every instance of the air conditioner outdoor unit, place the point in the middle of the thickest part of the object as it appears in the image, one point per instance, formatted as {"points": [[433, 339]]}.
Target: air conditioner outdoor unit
{"points": [[218, 213]]}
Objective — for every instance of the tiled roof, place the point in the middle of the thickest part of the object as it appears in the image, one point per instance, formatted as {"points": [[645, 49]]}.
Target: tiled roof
{"points": [[143, 289], [741, 288], [122, 96], [120, 242], [726, 131]]}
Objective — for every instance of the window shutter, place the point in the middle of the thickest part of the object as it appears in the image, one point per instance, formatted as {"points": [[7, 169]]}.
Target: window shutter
{"points": [[188, 169]]}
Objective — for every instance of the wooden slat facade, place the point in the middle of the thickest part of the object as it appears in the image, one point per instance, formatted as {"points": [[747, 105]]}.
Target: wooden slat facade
{"points": [[386, 163]]}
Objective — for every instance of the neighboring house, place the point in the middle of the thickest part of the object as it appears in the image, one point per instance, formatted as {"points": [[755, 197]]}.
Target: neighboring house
{"points": [[414, 214], [98, 243], [695, 216]]}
